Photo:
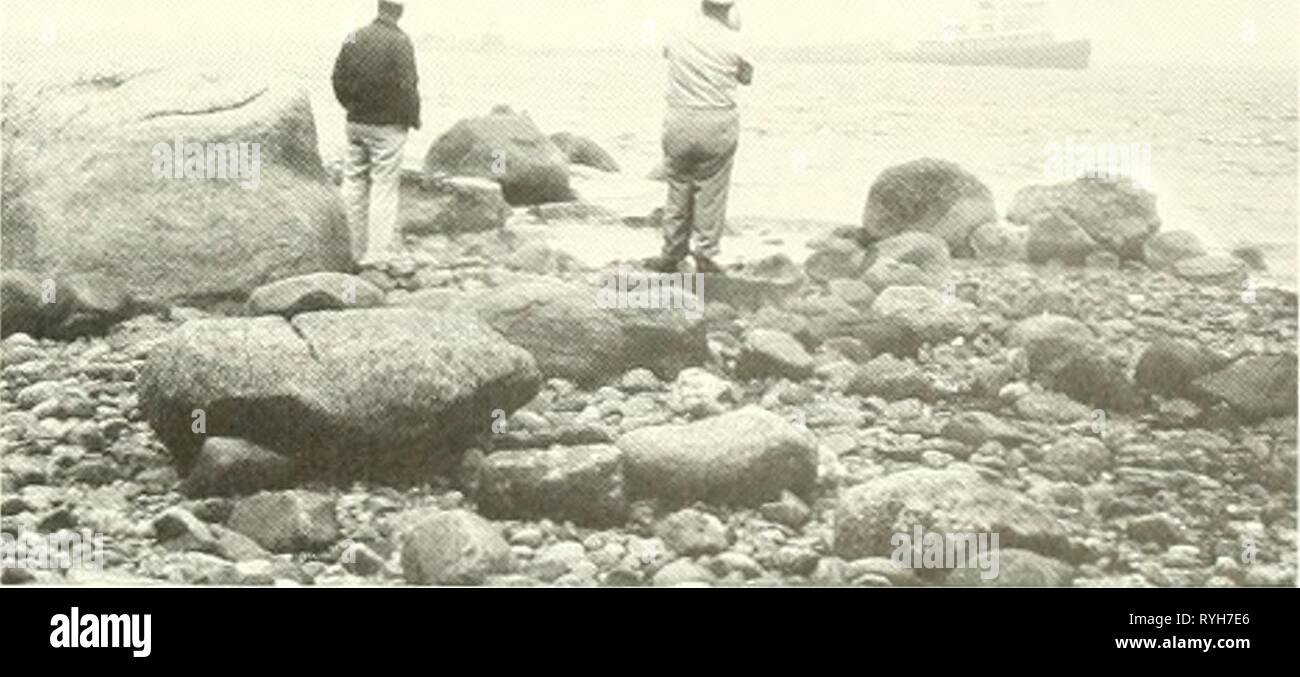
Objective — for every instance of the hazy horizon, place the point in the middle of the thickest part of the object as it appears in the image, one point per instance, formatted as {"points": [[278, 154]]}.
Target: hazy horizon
{"points": [[1235, 32]]}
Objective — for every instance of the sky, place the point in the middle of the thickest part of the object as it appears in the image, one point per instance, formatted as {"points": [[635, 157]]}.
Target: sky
{"points": [[1233, 32]]}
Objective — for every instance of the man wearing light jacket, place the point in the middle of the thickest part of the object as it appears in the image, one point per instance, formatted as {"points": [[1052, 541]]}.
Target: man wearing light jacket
{"points": [[706, 65]]}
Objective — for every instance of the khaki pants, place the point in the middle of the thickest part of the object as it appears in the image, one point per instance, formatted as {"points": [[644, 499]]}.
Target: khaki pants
{"points": [[699, 147], [372, 174]]}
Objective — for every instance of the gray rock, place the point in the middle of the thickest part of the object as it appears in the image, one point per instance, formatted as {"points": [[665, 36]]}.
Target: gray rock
{"points": [[954, 499], [934, 316], [172, 238], [974, 428], [1115, 214], [581, 150], [1165, 249], [771, 280], [691, 532], [1169, 367], [821, 318], [561, 326], [908, 259], [892, 379], [858, 294], [286, 521], [1157, 528], [682, 572], [773, 354], [1255, 388], [579, 484], [316, 291], [698, 393], [451, 206], [744, 457], [1227, 271], [1075, 459], [835, 258], [355, 393], [929, 196], [233, 467], [1017, 569], [1000, 241], [507, 148], [454, 548], [790, 511]]}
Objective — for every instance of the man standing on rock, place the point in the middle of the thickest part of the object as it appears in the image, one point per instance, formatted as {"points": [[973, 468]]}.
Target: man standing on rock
{"points": [[375, 80], [706, 64]]}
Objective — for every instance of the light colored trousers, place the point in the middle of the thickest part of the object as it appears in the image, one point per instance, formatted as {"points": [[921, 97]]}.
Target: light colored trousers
{"points": [[700, 149], [372, 175]]}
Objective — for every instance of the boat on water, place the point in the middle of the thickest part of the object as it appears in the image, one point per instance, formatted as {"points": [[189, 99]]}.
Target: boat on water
{"points": [[1008, 33]]}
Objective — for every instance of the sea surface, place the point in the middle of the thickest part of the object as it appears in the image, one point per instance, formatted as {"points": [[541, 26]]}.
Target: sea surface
{"points": [[1222, 143], [817, 131]]}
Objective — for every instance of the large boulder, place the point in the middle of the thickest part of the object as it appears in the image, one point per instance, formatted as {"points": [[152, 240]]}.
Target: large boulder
{"points": [[956, 499], [745, 457], [1116, 214], [930, 196], [581, 150], [382, 392], [93, 182], [508, 148]]}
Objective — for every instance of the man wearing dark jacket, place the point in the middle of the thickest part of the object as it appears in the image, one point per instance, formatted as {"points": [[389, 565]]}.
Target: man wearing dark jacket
{"points": [[375, 80]]}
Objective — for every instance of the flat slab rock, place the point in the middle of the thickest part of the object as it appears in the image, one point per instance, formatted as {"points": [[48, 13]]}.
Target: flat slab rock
{"points": [[346, 392], [745, 457], [955, 499]]}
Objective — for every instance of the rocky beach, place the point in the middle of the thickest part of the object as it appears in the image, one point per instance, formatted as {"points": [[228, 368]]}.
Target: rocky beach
{"points": [[192, 370]]}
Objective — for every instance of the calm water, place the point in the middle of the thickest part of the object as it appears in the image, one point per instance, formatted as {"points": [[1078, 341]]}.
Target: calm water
{"points": [[1223, 142]]}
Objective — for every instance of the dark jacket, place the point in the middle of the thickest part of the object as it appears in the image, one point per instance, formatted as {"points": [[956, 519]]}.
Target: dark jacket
{"points": [[375, 78]]}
